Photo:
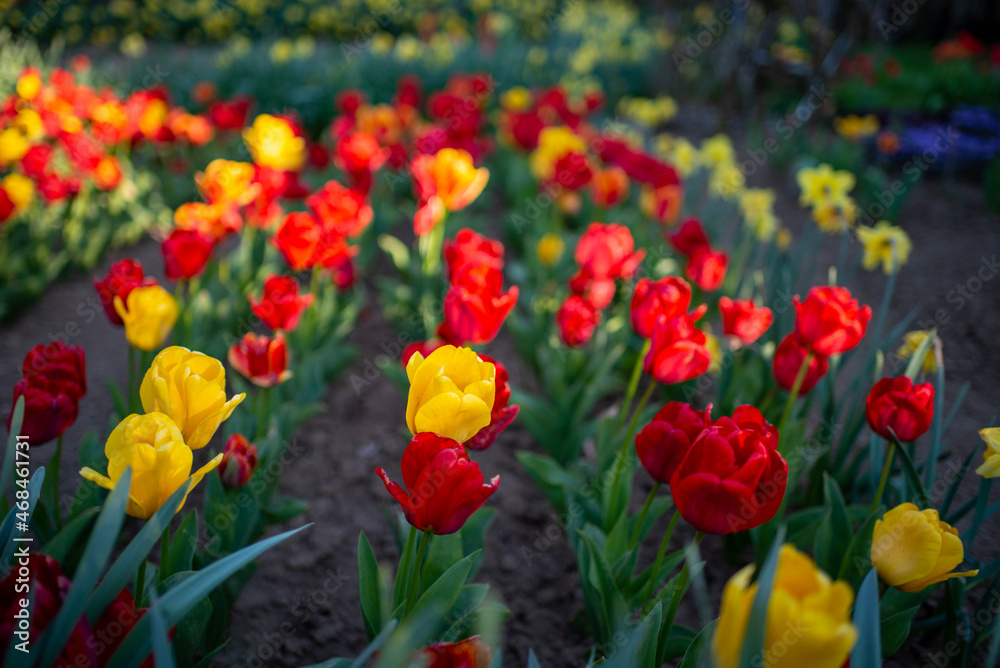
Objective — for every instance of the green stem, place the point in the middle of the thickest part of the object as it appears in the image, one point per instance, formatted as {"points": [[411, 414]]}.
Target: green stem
{"points": [[140, 583], [681, 587], [633, 384], [886, 468], [642, 515], [413, 593], [800, 378], [430, 248], [619, 462], [264, 412], [655, 572]]}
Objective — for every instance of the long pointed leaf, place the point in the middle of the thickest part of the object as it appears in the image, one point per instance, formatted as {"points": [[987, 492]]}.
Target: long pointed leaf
{"points": [[867, 652], [16, 516], [17, 419]]}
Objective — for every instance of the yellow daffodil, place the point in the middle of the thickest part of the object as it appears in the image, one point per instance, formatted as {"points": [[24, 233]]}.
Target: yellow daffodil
{"points": [[149, 314], [553, 143], [190, 387], [823, 185], [684, 156], [911, 342], [804, 602], [855, 127], [990, 468], [884, 244], [451, 393], [717, 150], [272, 143], [913, 549], [835, 218], [727, 181], [154, 447], [549, 249]]}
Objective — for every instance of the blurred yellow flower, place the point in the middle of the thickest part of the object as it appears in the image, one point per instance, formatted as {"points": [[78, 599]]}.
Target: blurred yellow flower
{"points": [[550, 248], [20, 189], [913, 549], [803, 598], [684, 156], [451, 393], [884, 244], [855, 127], [823, 186], [161, 462], [29, 84], [553, 143], [726, 181], [717, 150], [783, 238], [190, 387], [227, 182], [30, 123], [990, 468], [911, 342], [13, 146], [835, 218], [149, 314], [273, 143], [517, 98]]}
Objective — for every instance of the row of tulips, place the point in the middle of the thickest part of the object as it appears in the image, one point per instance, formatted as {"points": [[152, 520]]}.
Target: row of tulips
{"points": [[726, 423]]}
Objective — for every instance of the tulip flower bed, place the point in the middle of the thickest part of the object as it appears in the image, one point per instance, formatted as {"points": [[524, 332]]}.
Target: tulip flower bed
{"points": [[688, 393]]}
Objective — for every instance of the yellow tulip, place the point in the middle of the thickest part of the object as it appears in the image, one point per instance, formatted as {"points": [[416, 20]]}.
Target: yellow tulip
{"points": [[457, 182], [913, 549], [149, 314], [808, 617], [990, 468], [154, 447], [884, 244], [451, 393], [29, 84], [190, 387], [273, 143], [227, 181], [553, 143], [20, 189]]}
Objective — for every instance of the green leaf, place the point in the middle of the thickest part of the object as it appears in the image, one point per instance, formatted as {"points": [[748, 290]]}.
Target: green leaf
{"points": [[415, 633], [184, 545], [830, 546], [753, 639], [95, 556], [397, 252], [442, 553], [176, 602], [896, 629], [190, 630], [910, 469], [696, 650], [867, 652], [125, 566], [444, 592], [916, 362], [161, 643], [64, 541], [282, 510], [857, 557], [16, 420], [16, 516], [368, 588]]}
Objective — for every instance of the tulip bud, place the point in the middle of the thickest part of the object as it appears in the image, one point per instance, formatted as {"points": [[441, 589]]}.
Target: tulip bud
{"points": [[899, 405], [281, 306], [913, 549], [239, 461], [744, 319], [577, 319], [186, 252], [262, 360]]}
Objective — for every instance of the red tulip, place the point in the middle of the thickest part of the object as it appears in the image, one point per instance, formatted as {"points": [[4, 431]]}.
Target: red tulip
{"points": [[640, 166], [471, 248], [58, 363], [44, 580], [469, 653], [297, 238], [744, 319], [261, 359], [788, 360], [690, 237], [7, 206], [445, 486], [609, 186], [502, 415], [572, 171], [49, 408], [281, 305], [662, 444], [343, 211], [186, 252], [114, 625], [598, 292], [474, 314], [359, 154], [577, 319], [238, 462], [409, 91], [121, 279], [829, 321], [669, 296], [607, 251], [677, 349], [230, 114], [706, 268], [732, 478], [899, 405]]}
